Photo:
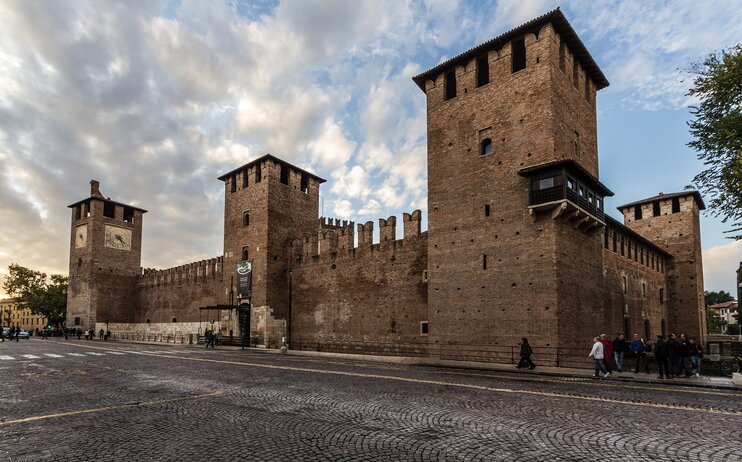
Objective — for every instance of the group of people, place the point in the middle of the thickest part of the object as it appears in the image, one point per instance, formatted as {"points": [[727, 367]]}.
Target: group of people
{"points": [[675, 358], [209, 338], [13, 334]]}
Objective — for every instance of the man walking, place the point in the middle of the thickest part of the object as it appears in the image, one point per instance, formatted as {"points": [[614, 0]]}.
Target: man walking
{"points": [[639, 348], [597, 354], [525, 355], [673, 356], [685, 362]]}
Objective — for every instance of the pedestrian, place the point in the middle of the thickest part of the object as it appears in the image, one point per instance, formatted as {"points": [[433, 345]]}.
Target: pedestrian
{"points": [[11, 333], [66, 333], [43, 334], [619, 348], [597, 354], [525, 355], [696, 353], [660, 354], [107, 336], [79, 333], [673, 356], [17, 333], [207, 338], [639, 348], [101, 333], [685, 361], [607, 352]]}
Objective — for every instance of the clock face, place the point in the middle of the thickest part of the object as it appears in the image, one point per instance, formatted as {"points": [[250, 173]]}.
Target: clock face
{"points": [[81, 236], [118, 238]]}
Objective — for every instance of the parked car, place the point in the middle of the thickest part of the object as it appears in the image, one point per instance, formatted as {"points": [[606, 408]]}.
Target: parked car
{"points": [[23, 334]]}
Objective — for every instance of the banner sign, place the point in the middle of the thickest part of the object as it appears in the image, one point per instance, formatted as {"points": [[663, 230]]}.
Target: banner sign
{"points": [[244, 279]]}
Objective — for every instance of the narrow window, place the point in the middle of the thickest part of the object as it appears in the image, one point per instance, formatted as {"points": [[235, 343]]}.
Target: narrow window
{"points": [[244, 179], [77, 321], [675, 205], [304, 183], [519, 54], [78, 212], [484, 262], [486, 147], [575, 73], [622, 248], [258, 173], [587, 88], [590, 199], [423, 327], [450, 83], [625, 285], [636, 252], [245, 253], [148, 321], [662, 295], [173, 319], [577, 143], [562, 54], [483, 71], [128, 214], [646, 329], [246, 218], [638, 212], [284, 174], [626, 327], [656, 208], [652, 261], [644, 289], [86, 209], [605, 239], [615, 238], [598, 203], [486, 210], [233, 184], [109, 210], [664, 328], [570, 183], [642, 255], [581, 191]]}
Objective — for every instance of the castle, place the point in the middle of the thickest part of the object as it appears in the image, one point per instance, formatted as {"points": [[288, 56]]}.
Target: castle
{"points": [[518, 243]]}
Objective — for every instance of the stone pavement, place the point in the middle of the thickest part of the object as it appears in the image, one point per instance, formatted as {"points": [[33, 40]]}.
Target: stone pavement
{"points": [[90, 400]]}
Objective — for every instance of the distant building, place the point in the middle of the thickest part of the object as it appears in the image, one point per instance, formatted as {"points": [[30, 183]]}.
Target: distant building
{"points": [[12, 315], [726, 312], [518, 241]]}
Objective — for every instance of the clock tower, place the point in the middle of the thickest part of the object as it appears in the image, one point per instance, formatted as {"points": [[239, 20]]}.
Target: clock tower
{"points": [[105, 260]]}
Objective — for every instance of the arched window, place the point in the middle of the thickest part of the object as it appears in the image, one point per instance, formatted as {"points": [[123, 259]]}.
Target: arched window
{"points": [[245, 253], [173, 319], [486, 147], [246, 218], [147, 320], [646, 329]]}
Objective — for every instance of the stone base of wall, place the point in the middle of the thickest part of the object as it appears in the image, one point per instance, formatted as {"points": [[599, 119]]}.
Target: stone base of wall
{"points": [[268, 330]]}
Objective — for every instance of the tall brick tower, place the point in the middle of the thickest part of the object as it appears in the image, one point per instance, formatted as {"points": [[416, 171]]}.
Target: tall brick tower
{"points": [[105, 259], [515, 205], [267, 203], [672, 221]]}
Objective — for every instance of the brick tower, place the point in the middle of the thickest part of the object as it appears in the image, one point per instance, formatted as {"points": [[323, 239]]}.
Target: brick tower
{"points": [[672, 221], [515, 206], [267, 203], [105, 260]]}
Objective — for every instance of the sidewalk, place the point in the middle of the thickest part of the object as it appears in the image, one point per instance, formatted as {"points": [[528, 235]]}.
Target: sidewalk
{"points": [[547, 371]]}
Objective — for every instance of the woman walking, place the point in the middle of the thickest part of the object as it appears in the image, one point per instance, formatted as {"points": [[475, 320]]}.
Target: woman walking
{"points": [[598, 354], [525, 355]]}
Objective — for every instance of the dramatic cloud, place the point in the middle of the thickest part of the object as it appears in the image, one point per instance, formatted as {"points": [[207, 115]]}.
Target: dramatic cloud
{"points": [[156, 99], [720, 264]]}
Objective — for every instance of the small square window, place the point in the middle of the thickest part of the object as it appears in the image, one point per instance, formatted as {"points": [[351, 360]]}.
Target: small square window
{"points": [[581, 191], [423, 328], [570, 183]]}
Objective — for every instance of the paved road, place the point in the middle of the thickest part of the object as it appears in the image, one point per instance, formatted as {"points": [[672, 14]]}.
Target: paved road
{"points": [[93, 400]]}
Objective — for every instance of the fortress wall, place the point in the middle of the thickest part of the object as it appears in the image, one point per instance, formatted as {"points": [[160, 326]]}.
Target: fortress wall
{"points": [[369, 293], [179, 292]]}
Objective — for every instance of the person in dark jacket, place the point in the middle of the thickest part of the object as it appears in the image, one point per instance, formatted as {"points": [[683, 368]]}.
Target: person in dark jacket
{"points": [[696, 353], [660, 354], [673, 356], [619, 348], [685, 362], [525, 355], [639, 348]]}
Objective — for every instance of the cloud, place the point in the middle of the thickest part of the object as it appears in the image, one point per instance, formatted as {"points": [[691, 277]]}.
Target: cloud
{"points": [[720, 264]]}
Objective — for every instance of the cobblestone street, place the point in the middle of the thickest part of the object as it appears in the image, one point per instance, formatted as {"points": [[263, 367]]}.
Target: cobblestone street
{"points": [[93, 400]]}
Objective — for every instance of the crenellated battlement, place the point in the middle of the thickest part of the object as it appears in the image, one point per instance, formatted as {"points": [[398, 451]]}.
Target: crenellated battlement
{"points": [[335, 238], [190, 272], [333, 223]]}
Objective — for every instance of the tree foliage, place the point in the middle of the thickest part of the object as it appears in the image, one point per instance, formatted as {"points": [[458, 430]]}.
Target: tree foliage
{"points": [[713, 322], [712, 298], [42, 295], [717, 132]]}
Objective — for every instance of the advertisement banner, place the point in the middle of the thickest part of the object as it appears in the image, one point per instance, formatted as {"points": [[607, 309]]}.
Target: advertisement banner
{"points": [[244, 279]]}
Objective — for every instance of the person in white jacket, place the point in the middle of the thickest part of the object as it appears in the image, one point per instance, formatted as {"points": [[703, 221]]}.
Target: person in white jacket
{"points": [[598, 355]]}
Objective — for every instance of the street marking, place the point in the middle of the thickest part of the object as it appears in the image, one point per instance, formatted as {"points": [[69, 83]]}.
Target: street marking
{"points": [[92, 353], [31, 356], [7, 358], [115, 352], [75, 354], [52, 355], [107, 408]]}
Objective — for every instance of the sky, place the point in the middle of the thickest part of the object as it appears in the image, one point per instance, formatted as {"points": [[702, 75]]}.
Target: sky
{"points": [[156, 99]]}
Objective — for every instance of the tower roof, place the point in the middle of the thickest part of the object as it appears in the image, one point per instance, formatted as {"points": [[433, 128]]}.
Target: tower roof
{"points": [[95, 194], [562, 27], [696, 195], [274, 159]]}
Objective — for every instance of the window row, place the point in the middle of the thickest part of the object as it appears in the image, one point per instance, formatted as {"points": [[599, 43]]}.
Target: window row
{"points": [[633, 250], [518, 62], [656, 210], [575, 69], [109, 211], [283, 178]]}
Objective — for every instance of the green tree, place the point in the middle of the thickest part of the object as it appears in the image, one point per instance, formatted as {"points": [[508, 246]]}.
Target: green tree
{"points": [[712, 298], [713, 322], [717, 132], [42, 295]]}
